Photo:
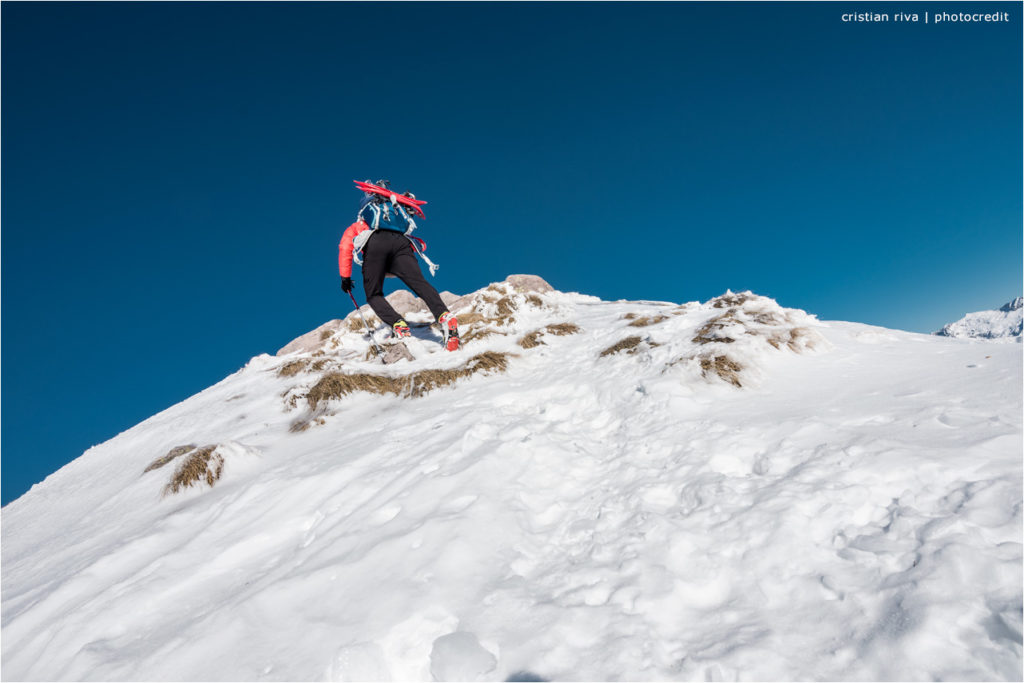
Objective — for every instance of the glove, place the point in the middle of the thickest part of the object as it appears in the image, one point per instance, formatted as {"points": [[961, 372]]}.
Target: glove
{"points": [[346, 284]]}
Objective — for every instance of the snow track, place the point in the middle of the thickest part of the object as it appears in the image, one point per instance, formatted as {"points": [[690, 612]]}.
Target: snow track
{"points": [[852, 512]]}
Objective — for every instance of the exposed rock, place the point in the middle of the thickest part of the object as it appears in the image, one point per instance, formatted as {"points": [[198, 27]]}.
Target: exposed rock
{"points": [[311, 341], [529, 283], [405, 302]]}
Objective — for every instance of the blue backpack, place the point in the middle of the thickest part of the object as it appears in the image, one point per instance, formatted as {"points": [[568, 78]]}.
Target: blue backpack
{"points": [[380, 214]]}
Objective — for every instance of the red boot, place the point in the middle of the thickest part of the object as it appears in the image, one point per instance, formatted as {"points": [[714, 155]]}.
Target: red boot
{"points": [[450, 329]]}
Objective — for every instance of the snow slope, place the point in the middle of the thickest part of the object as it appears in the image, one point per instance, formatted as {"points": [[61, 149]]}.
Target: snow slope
{"points": [[1007, 323], [851, 510]]}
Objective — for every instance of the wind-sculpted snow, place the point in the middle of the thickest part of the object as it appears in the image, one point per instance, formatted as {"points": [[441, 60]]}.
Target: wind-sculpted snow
{"points": [[848, 509]]}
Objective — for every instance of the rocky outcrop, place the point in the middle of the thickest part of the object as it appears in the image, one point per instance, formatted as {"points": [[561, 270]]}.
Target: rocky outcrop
{"points": [[407, 304]]}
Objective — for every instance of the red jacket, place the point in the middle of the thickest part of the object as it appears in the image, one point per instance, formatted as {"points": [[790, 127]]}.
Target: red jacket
{"points": [[345, 247]]}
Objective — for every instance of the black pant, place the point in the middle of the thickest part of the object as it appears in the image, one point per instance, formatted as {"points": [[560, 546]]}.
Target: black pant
{"points": [[386, 252]]}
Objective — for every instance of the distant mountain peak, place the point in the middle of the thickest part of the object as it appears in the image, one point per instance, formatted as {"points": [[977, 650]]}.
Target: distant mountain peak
{"points": [[1014, 305], [1005, 323]]}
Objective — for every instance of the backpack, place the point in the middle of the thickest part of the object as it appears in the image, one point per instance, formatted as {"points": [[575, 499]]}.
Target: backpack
{"points": [[381, 213]]}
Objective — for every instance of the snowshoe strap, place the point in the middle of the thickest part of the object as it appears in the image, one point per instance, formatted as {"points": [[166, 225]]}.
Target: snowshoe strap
{"points": [[416, 245], [376, 216], [408, 219]]}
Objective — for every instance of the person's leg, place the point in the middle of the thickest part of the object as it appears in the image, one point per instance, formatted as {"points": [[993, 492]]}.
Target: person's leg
{"points": [[376, 257], [406, 268]]}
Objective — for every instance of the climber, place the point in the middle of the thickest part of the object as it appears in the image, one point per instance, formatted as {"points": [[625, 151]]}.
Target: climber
{"points": [[381, 241]]}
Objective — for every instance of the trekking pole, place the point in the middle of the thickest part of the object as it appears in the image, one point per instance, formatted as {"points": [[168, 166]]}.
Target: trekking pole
{"points": [[376, 348]]}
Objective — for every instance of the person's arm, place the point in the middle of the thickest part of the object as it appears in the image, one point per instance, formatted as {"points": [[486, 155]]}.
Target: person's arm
{"points": [[345, 248]]}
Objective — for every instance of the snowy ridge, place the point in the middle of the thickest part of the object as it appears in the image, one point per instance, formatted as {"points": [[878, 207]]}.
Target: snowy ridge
{"points": [[1005, 324], [645, 491]]}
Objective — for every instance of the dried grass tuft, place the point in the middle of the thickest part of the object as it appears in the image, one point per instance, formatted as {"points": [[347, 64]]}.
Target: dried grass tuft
{"points": [[644, 321], [172, 454], [795, 339], [292, 368], [562, 329], [499, 311], [711, 332], [490, 361], [766, 318], [470, 318], [532, 340], [326, 334], [730, 300], [204, 464], [506, 309], [425, 381], [629, 345], [336, 385], [724, 367], [304, 423], [745, 315], [291, 398]]}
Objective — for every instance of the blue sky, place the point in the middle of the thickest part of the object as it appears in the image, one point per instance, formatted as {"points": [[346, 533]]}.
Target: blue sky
{"points": [[176, 176]]}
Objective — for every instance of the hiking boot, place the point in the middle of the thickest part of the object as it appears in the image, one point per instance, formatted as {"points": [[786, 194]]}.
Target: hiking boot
{"points": [[400, 329], [450, 329]]}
